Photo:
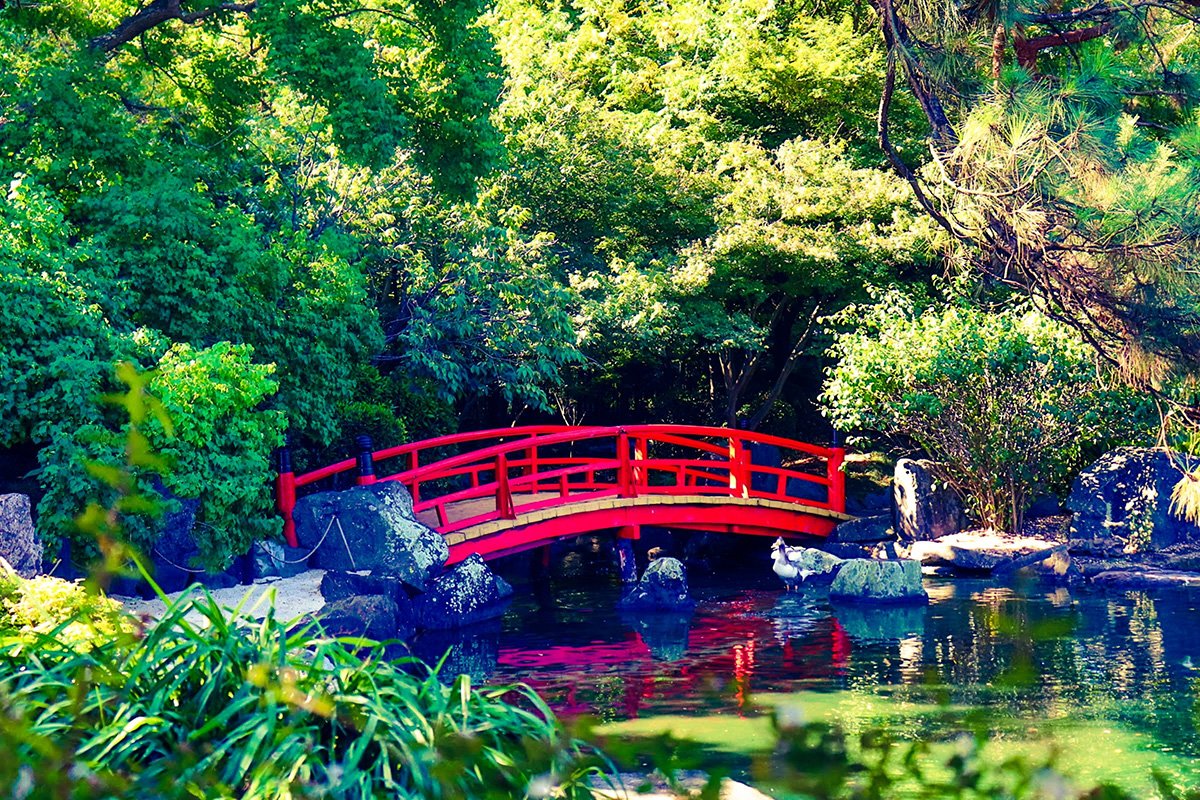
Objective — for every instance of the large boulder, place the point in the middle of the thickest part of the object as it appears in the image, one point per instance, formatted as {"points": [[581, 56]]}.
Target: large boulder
{"points": [[19, 542], [926, 506], [336, 586], [1127, 494], [369, 616], [467, 593], [977, 551], [864, 580], [174, 554], [663, 587], [370, 528]]}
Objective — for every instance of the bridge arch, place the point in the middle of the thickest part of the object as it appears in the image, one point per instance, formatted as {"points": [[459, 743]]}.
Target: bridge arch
{"points": [[500, 491]]}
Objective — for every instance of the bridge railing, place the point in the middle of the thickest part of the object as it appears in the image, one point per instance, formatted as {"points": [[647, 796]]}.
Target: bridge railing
{"points": [[512, 471]]}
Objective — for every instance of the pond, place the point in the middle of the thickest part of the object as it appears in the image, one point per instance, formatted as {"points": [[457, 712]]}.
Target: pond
{"points": [[1108, 678]]}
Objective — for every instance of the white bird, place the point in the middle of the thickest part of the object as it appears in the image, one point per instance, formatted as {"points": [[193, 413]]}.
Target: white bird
{"points": [[786, 564]]}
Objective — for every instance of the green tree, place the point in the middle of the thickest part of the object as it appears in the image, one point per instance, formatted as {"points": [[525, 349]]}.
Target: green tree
{"points": [[1063, 138], [172, 198], [650, 143], [1010, 402]]}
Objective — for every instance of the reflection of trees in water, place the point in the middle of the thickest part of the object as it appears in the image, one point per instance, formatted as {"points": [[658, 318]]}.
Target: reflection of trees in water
{"points": [[1051, 654]]}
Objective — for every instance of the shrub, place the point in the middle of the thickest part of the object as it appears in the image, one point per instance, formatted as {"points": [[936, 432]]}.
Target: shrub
{"points": [[220, 454], [46, 607], [1010, 402]]}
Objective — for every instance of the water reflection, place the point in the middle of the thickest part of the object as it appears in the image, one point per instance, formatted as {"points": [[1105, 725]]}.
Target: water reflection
{"points": [[880, 623], [665, 635], [1077, 664]]}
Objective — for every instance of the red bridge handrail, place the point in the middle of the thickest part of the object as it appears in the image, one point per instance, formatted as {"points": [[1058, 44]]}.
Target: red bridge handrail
{"points": [[723, 467]]}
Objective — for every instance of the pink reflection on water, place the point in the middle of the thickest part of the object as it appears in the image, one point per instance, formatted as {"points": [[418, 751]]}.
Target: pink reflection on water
{"points": [[727, 658]]}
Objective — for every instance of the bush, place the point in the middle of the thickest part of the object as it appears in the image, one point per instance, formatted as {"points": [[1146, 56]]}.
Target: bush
{"points": [[46, 607], [1010, 402], [219, 454]]}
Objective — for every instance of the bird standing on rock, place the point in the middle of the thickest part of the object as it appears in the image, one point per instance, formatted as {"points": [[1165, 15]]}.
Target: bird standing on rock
{"points": [[786, 566]]}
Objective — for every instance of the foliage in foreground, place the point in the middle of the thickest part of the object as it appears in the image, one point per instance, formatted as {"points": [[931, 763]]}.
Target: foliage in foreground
{"points": [[200, 705], [224, 709], [1010, 402]]}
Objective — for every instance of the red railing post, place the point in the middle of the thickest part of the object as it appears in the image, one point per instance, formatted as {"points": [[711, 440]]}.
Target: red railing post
{"points": [[837, 478], [625, 485], [285, 495], [738, 479], [415, 490], [366, 462], [504, 499], [640, 474], [531, 455]]}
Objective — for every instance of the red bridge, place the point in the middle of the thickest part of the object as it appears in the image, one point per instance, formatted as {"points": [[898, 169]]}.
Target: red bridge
{"points": [[502, 491]]}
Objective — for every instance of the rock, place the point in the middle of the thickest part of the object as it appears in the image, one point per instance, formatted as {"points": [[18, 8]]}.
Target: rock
{"points": [[663, 587], [977, 551], [174, 555], [342, 585], [370, 528], [1054, 563], [1184, 562], [369, 616], [466, 594], [1144, 578], [806, 490], [19, 542], [218, 580], [1091, 567], [276, 560], [864, 529], [863, 580], [926, 506], [1127, 494]]}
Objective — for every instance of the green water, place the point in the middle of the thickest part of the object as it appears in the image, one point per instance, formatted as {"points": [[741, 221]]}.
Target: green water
{"points": [[1107, 680]]}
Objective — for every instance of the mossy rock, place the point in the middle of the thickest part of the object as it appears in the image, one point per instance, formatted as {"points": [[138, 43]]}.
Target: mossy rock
{"points": [[869, 581]]}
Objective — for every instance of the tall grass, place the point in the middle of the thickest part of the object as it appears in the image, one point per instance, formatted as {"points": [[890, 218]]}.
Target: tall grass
{"points": [[222, 707]]}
